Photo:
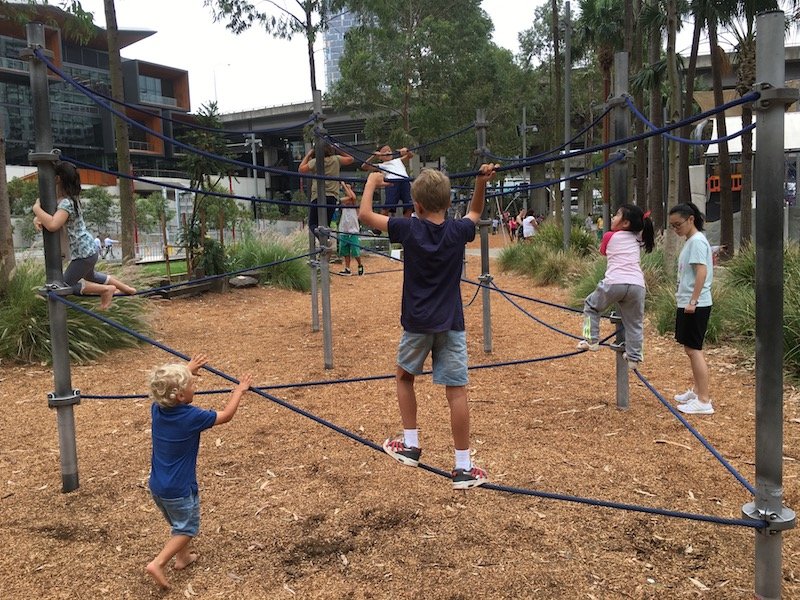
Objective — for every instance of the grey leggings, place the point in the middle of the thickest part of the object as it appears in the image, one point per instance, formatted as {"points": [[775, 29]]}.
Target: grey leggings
{"points": [[630, 299], [83, 268]]}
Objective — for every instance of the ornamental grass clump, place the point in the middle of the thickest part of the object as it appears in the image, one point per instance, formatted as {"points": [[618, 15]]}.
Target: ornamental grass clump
{"points": [[256, 249], [25, 325]]}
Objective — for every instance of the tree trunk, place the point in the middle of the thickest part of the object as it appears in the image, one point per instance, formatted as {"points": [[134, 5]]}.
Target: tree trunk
{"points": [[725, 194], [127, 208], [8, 261], [746, 77], [558, 100], [310, 38], [684, 191], [655, 179], [638, 126], [674, 99]]}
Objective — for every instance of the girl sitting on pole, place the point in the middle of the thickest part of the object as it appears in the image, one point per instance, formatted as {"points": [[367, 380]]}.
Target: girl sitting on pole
{"points": [[80, 274]]}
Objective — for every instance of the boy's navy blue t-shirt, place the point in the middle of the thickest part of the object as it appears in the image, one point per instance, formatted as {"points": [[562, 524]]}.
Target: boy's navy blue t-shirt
{"points": [[176, 440], [432, 257]]}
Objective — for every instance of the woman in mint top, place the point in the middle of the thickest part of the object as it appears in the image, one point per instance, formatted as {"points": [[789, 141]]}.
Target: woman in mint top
{"points": [[80, 274], [693, 299]]}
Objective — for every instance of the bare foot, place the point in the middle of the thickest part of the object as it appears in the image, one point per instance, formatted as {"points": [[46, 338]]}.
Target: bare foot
{"points": [[157, 573], [106, 296], [180, 565], [126, 289]]}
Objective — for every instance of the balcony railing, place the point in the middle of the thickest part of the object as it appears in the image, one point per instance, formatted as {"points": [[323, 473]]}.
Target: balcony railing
{"points": [[156, 99], [13, 64], [136, 145]]}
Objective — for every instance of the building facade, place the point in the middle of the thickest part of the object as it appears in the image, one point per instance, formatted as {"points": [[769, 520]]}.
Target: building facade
{"points": [[156, 95], [333, 44]]}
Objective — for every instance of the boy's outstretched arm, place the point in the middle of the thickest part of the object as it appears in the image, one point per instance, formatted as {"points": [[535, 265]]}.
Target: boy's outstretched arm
{"points": [[365, 213], [486, 173], [226, 414]]}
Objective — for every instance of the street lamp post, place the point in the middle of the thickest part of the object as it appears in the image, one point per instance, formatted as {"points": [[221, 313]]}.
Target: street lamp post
{"points": [[253, 143]]}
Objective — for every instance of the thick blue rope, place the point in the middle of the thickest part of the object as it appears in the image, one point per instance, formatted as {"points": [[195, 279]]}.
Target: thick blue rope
{"points": [[321, 382], [751, 97], [577, 136], [182, 188], [638, 114], [149, 113], [221, 276], [426, 467], [175, 142], [617, 157], [740, 478]]}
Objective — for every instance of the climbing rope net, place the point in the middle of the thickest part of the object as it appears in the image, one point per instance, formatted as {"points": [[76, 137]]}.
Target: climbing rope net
{"points": [[515, 299]]}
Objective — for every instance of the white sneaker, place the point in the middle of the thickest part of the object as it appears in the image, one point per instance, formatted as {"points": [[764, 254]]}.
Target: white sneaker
{"points": [[632, 363], [587, 345], [685, 396], [695, 407]]}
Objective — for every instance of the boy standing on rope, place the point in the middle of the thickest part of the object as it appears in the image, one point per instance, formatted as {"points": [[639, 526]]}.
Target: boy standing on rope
{"points": [[432, 315], [395, 170], [176, 428]]}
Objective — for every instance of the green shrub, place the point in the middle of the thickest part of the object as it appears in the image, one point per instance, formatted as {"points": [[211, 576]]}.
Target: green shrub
{"points": [[543, 264], [551, 235], [25, 325], [212, 260], [254, 250]]}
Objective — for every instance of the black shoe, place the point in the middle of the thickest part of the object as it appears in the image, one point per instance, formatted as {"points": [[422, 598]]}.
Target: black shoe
{"points": [[397, 449], [464, 479]]}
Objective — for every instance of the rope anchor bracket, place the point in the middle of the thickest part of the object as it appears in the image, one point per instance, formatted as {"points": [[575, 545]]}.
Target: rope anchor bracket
{"points": [[775, 522], [769, 95], [486, 279], [59, 288], [44, 157], [30, 52], [54, 401]]}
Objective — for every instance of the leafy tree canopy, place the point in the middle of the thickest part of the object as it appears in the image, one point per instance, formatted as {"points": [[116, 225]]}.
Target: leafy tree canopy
{"points": [[420, 69]]}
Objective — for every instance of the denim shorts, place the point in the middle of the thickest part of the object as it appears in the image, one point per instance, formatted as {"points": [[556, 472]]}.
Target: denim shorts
{"points": [[183, 514], [449, 352]]}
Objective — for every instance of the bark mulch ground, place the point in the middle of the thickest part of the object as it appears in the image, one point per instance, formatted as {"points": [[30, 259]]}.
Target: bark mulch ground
{"points": [[292, 509]]}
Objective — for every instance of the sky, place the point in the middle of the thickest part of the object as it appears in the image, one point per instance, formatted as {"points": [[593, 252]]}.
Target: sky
{"points": [[250, 70]]}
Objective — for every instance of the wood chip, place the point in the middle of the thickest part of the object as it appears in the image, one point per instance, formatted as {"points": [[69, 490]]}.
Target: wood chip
{"points": [[698, 584], [288, 589], [671, 443], [644, 493]]}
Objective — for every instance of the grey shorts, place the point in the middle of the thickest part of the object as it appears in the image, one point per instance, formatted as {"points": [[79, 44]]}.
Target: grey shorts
{"points": [[449, 355]]}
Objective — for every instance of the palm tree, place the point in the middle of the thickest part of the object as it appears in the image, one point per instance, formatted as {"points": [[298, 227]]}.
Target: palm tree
{"points": [[602, 26], [127, 206]]}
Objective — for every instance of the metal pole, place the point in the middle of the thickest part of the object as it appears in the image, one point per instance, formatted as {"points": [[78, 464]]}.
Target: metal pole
{"points": [[619, 170], [484, 223], [323, 233], [64, 397], [524, 154], [566, 198], [769, 161], [622, 365]]}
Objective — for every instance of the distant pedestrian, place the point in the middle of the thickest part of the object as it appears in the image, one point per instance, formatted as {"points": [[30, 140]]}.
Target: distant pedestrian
{"points": [[98, 244], [108, 246]]}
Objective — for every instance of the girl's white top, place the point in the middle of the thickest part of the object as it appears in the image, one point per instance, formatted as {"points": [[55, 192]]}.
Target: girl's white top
{"points": [[623, 252]]}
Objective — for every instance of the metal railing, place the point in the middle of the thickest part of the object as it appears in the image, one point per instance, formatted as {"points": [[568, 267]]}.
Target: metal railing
{"points": [[156, 99]]}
